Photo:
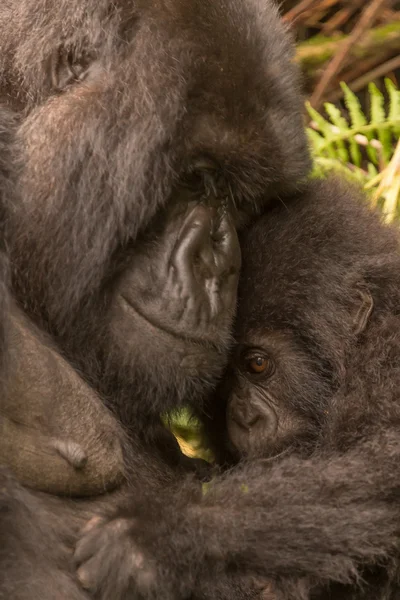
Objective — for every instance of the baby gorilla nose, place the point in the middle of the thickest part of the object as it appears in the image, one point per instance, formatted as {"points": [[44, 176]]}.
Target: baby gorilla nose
{"points": [[251, 425], [244, 414]]}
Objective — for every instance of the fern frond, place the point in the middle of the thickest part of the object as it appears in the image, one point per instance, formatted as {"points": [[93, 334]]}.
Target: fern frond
{"points": [[358, 119], [341, 140], [378, 117], [394, 105]]}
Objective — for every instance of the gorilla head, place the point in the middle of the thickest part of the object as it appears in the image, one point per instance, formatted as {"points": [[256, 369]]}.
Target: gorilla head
{"points": [[148, 131], [318, 288]]}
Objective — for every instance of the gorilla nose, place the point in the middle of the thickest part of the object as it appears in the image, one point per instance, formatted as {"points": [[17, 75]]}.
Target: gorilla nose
{"points": [[244, 414]]}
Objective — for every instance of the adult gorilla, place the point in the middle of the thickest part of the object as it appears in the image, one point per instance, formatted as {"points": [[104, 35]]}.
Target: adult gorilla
{"points": [[121, 103], [147, 132]]}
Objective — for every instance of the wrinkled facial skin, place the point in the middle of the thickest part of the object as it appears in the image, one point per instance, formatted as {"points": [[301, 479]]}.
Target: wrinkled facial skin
{"points": [[178, 297], [121, 104], [267, 413], [184, 281]]}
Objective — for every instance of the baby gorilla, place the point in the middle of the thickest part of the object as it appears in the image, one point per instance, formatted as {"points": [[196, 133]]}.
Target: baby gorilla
{"points": [[316, 365], [312, 393], [309, 368]]}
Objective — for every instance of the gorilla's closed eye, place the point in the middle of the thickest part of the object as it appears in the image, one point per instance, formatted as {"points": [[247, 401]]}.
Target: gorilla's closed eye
{"points": [[258, 363], [67, 67], [201, 175], [204, 164], [193, 180]]}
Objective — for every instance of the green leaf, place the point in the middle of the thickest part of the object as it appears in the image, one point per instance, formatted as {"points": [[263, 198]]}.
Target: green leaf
{"points": [[372, 170], [323, 125], [394, 105], [336, 141], [377, 104], [341, 124], [378, 116], [372, 153], [315, 139], [353, 105], [336, 116]]}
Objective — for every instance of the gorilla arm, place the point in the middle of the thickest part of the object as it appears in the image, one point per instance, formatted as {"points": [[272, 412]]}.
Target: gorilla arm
{"points": [[56, 434], [321, 518]]}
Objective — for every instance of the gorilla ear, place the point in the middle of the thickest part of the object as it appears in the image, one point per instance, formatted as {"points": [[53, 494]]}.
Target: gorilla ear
{"points": [[363, 310]]}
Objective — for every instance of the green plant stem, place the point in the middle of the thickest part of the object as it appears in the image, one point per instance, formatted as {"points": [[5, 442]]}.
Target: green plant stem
{"points": [[346, 135]]}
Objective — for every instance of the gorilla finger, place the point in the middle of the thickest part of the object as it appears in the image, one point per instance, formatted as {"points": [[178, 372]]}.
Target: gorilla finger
{"points": [[88, 575], [90, 525], [89, 545]]}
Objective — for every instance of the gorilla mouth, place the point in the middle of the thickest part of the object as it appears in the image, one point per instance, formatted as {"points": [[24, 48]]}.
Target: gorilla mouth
{"points": [[169, 331], [133, 308]]}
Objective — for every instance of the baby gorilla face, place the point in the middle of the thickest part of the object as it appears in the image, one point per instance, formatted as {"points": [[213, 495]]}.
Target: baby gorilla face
{"points": [[304, 301], [272, 390]]}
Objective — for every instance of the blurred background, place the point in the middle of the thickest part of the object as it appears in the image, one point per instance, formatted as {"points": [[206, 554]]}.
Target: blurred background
{"points": [[356, 41]]}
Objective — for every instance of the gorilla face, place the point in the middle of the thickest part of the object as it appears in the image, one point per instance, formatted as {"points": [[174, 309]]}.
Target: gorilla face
{"points": [[268, 382], [172, 307], [148, 132], [122, 103], [305, 299]]}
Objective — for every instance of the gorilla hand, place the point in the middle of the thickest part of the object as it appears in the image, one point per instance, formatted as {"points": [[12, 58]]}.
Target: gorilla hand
{"points": [[117, 558], [109, 562]]}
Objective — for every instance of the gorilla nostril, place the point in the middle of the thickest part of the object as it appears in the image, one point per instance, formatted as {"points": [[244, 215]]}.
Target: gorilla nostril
{"points": [[201, 216], [253, 418]]}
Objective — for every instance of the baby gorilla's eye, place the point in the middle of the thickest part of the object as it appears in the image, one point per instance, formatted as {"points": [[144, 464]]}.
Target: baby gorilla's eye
{"points": [[258, 363]]}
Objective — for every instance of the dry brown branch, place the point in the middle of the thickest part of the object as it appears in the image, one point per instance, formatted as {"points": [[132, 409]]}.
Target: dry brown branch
{"points": [[374, 44], [338, 19], [359, 83], [293, 14], [367, 18]]}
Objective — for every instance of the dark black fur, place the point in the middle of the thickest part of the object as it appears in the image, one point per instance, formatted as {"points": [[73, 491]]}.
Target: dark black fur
{"points": [[147, 131], [328, 513]]}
